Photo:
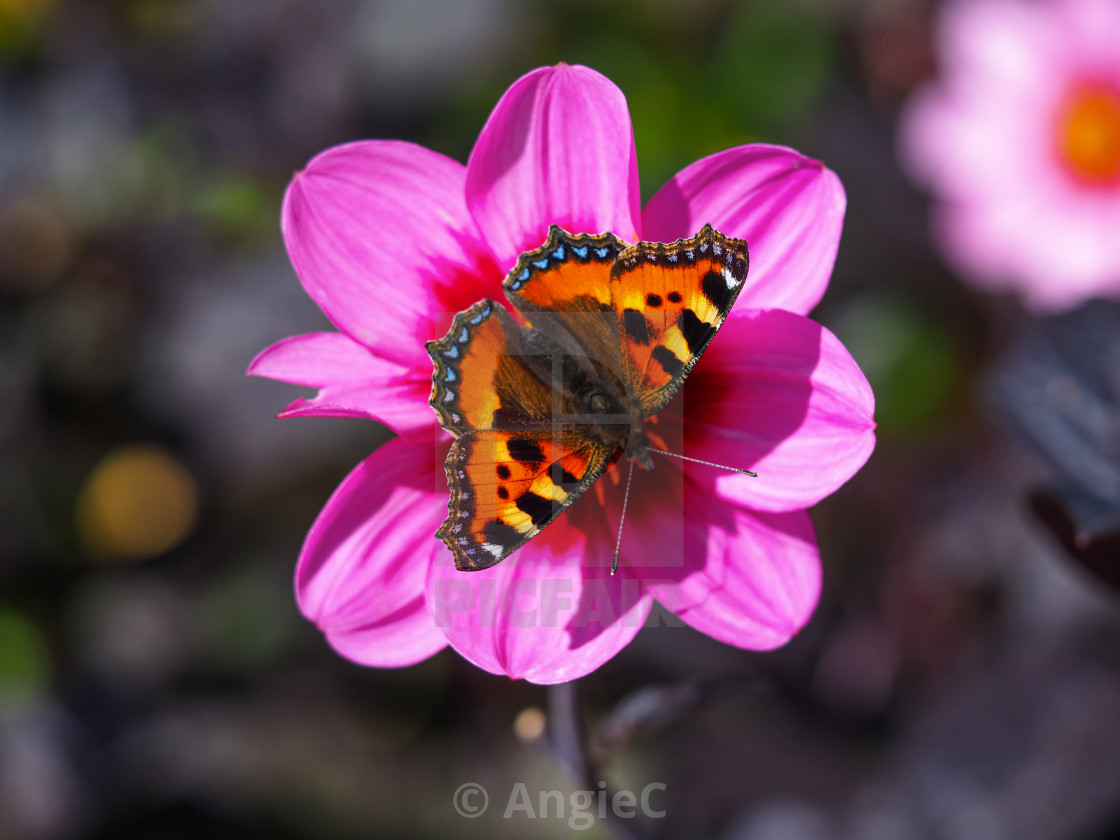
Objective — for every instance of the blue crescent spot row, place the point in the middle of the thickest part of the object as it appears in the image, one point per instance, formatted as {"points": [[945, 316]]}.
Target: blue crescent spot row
{"points": [[452, 352], [558, 255]]}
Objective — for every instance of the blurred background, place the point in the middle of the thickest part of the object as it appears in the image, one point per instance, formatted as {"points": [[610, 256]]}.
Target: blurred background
{"points": [[960, 679]]}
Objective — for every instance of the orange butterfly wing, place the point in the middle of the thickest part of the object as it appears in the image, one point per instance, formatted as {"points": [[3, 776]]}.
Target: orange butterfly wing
{"points": [[515, 465], [479, 373], [507, 486], [671, 299], [563, 289]]}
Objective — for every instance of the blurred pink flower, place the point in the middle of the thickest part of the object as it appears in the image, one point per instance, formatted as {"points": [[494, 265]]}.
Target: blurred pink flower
{"points": [[1019, 139], [391, 240]]}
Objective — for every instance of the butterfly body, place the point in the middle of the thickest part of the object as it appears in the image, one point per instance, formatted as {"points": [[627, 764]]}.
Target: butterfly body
{"points": [[541, 408]]}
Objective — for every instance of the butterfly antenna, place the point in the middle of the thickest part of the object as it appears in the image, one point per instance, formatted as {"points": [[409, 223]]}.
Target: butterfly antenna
{"points": [[705, 463], [621, 519]]}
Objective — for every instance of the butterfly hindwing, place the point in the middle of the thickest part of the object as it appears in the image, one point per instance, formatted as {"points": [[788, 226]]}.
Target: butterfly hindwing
{"points": [[671, 299], [507, 486]]}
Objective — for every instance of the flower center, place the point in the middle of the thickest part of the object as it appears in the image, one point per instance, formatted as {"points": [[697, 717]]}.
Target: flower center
{"points": [[1088, 138]]}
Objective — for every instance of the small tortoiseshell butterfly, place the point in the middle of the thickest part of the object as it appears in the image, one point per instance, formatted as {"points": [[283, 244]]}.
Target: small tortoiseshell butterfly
{"points": [[539, 411]]}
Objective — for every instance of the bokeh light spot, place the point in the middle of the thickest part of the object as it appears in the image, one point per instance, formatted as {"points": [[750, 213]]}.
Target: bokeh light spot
{"points": [[529, 724], [1089, 134], [138, 502]]}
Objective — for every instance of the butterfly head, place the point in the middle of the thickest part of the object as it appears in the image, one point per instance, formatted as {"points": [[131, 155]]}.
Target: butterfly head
{"points": [[637, 449]]}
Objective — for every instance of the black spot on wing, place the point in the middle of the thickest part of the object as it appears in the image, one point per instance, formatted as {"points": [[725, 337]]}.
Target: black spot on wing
{"points": [[666, 358], [636, 325], [538, 507], [715, 289], [499, 533], [696, 332], [561, 476], [503, 472], [653, 301], [674, 297], [503, 493], [525, 451]]}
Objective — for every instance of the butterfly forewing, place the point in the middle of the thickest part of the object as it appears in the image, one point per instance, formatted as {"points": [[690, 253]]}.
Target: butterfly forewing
{"points": [[480, 374], [563, 289], [671, 299], [570, 272]]}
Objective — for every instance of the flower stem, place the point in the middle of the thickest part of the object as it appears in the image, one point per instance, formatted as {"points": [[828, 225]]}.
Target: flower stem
{"points": [[565, 725], [566, 735]]}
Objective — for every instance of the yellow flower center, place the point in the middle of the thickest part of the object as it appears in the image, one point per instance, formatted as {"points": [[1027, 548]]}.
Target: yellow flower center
{"points": [[1089, 134]]}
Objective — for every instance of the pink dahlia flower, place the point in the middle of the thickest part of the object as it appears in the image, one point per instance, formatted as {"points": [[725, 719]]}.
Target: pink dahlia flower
{"points": [[1020, 140], [391, 240]]}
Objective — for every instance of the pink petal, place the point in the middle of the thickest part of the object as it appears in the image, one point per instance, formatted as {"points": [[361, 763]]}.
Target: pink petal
{"points": [[985, 127], [982, 139], [401, 640], [361, 573], [1007, 42], [1074, 262], [380, 236], [558, 149], [745, 578], [1090, 31], [789, 209], [551, 612], [352, 382], [956, 141], [777, 393]]}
